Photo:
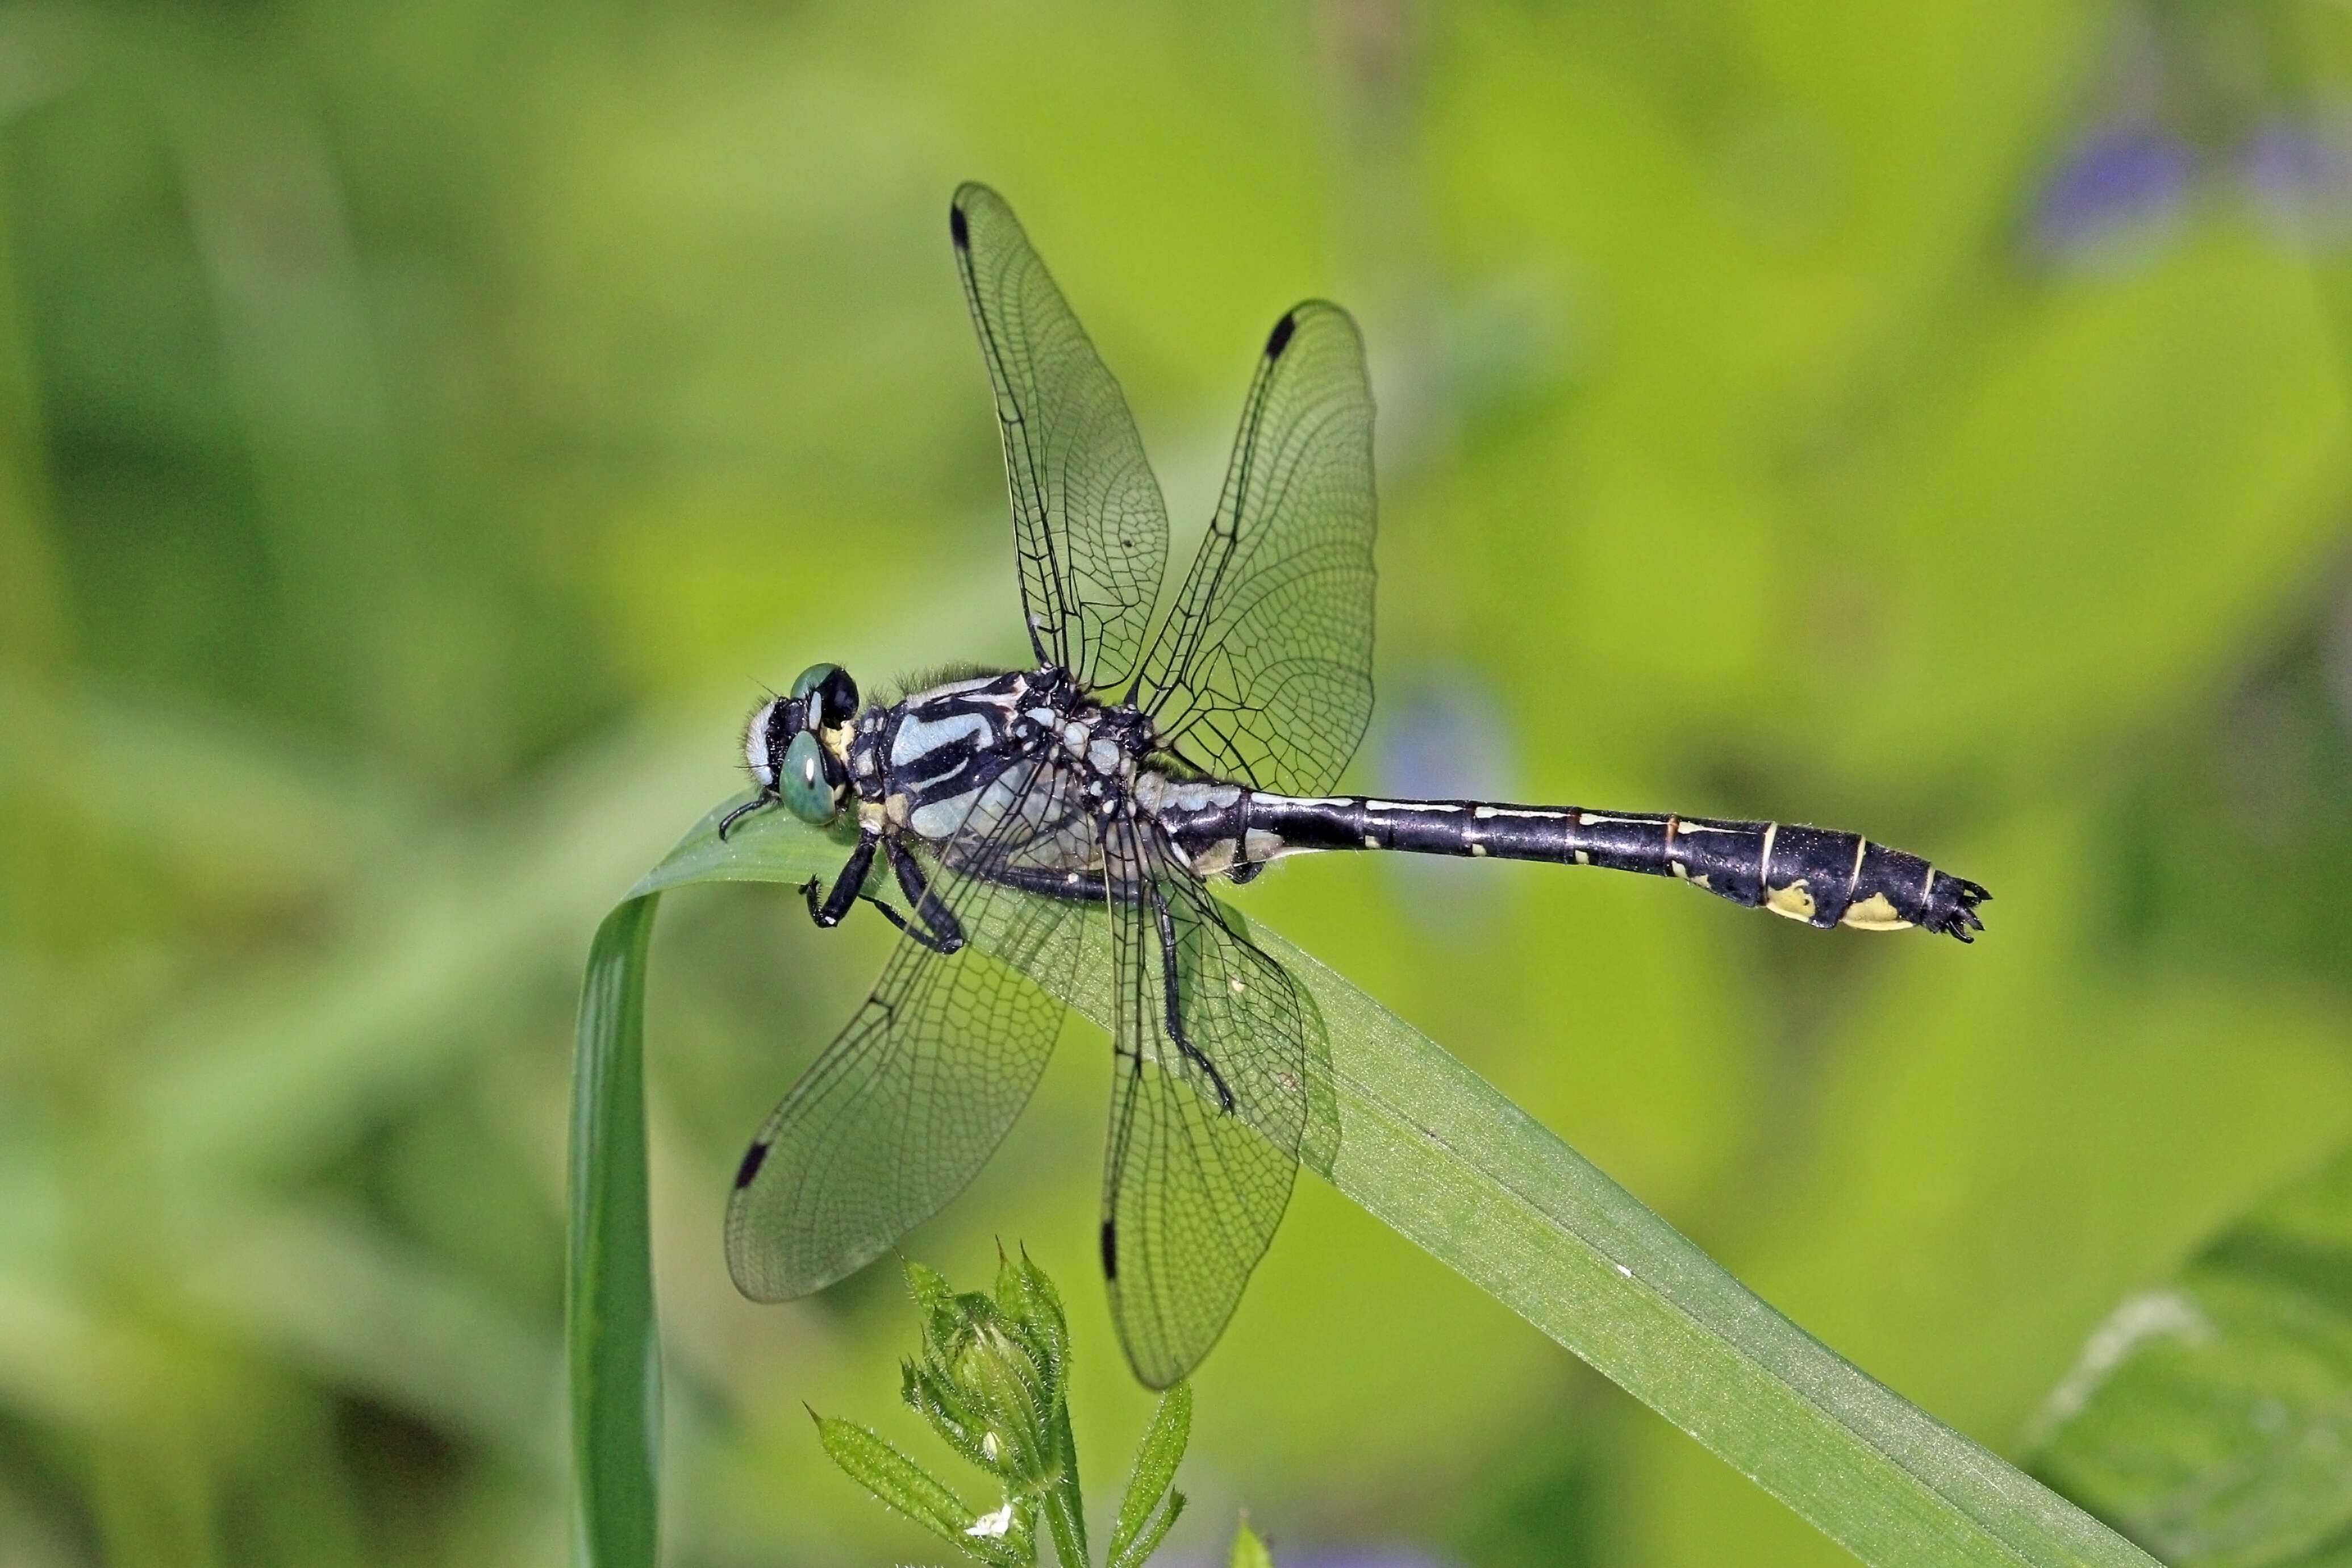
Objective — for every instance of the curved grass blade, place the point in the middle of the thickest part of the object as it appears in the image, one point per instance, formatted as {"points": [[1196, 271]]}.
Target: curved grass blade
{"points": [[1440, 1156], [610, 1333]]}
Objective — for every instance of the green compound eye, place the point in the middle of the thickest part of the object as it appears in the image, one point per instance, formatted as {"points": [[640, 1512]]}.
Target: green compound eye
{"points": [[802, 783], [832, 695]]}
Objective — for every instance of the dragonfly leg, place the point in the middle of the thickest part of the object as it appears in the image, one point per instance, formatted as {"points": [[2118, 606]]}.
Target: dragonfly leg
{"points": [[1168, 986], [940, 944], [846, 886], [762, 799], [934, 925]]}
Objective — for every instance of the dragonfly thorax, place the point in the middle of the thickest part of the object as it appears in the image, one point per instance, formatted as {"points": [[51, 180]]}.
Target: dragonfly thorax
{"points": [[975, 744]]}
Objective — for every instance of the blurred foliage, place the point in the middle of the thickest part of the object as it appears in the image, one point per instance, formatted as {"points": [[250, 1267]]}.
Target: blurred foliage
{"points": [[425, 425], [2208, 1415]]}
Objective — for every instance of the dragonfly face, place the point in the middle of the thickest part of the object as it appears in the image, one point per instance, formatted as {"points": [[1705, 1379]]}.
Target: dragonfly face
{"points": [[797, 747], [1058, 828]]}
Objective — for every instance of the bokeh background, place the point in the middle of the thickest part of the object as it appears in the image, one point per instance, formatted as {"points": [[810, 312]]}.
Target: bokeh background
{"points": [[427, 426]]}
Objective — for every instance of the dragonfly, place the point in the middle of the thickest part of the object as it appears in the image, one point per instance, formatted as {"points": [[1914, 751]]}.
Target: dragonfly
{"points": [[1063, 824]]}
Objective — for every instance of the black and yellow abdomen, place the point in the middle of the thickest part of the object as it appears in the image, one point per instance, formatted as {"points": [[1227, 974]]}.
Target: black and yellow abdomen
{"points": [[1817, 874]]}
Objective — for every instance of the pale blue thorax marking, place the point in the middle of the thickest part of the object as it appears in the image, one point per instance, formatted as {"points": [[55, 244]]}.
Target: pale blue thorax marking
{"points": [[939, 820], [918, 737], [1157, 793]]}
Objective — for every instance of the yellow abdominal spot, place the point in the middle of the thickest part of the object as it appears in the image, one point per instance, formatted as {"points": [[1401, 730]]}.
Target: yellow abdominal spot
{"points": [[1874, 913], [1791, 901]]}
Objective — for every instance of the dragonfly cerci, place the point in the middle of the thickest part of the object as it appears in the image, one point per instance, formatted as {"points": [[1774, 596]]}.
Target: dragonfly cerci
{"points": [[1035, 830]]}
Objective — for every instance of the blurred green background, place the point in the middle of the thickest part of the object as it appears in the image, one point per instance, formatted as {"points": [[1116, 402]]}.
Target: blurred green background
{"points": [[425, 426]]}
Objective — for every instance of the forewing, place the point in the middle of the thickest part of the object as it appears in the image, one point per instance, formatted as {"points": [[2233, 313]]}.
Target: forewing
{"points": [[1263, 671], [1089, 525], [903, 1109], [1205, 1142]]}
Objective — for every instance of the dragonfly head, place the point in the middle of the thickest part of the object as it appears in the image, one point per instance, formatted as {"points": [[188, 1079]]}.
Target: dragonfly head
{"points": [[798, 745]]}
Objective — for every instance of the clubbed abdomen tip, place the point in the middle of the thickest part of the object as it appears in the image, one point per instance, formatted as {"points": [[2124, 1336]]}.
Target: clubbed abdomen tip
{"points": [[1952, 907]]}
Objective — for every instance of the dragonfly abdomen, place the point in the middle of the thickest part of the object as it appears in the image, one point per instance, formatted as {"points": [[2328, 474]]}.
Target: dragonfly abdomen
{"points": [[1820, 876]]}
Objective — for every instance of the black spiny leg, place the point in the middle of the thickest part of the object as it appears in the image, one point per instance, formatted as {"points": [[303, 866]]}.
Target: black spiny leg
{"points": [[836, 904], [1168, 986], [939, 932], [938, 929]]}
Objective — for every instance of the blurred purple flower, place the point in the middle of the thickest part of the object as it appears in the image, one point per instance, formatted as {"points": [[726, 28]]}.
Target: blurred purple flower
{"points": [[1445, 740], [2115, 182], [2299, 173]]}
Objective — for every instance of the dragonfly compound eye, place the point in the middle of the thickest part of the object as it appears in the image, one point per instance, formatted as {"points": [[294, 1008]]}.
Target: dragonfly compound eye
{"points": [[807, 792], [836, 696], [812, 677]]}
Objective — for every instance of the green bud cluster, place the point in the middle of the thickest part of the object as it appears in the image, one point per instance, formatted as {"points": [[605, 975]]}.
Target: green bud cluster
{"points": [[991, 1378]]}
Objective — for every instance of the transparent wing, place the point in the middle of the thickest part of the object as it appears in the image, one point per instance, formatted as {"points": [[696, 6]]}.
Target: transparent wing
{"points": [[1212, 1112], [1089, 526], [1264, 671], [903, 1109]]}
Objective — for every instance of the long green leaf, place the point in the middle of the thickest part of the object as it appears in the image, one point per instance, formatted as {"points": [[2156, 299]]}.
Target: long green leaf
{"points": [[896, 1481], [1437, 1152], [609, 1323]]}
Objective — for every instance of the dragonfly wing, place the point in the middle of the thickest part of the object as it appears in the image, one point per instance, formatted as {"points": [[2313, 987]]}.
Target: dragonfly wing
{"points": [[1263, 671], [1090, 524], [903, 1109], [1209, 1121]]}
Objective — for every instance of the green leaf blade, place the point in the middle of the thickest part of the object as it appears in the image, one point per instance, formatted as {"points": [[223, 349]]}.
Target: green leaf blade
{"points": [[1156, 1459], [896, 1481], [1446, 1160], [611, 1333], [1155, 1531]]}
